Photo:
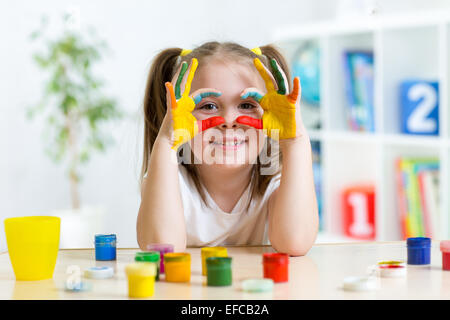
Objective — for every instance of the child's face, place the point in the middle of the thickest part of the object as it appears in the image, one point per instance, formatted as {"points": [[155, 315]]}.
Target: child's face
{"points": [[231, 143]]}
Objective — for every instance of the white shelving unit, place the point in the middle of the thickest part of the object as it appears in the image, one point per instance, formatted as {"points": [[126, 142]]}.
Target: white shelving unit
{"points": [[405, 46]]}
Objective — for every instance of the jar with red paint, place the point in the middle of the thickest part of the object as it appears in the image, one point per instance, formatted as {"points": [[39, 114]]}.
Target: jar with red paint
{"points": [[445, 248], [276, 266]]}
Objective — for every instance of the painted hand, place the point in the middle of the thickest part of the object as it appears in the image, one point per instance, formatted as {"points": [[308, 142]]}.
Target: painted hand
{"points": [[185, 125], [279, 108]]}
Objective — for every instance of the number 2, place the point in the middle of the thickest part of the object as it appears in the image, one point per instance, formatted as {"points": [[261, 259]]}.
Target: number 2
{"points": [[418, 121]]}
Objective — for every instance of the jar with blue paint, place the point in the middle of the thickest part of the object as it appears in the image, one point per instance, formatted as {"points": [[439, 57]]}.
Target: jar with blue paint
{"points": [[419, 250], [105, 247]]}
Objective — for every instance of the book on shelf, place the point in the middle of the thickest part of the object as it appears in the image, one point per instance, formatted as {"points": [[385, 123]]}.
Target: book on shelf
{"points": [[418, 197], [317, 171], [359, 82]]}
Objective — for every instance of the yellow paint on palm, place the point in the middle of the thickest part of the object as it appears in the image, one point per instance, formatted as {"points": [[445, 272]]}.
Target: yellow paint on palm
{"points": [[184, 123], [280, 118], [279, 109]]}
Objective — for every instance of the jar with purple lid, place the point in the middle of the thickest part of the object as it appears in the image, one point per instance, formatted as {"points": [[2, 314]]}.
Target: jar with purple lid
{"points": [[162, 248]]}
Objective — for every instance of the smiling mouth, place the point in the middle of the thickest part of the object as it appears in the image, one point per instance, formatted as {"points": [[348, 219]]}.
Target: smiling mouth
{"points": [[229, 142]]}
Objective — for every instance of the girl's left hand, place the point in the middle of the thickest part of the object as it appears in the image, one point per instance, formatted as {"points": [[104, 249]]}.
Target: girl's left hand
{"points": [[281, 110]]}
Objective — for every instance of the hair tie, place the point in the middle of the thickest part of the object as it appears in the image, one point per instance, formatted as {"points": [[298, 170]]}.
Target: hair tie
{"points": [[185, 52], [257, 51]]}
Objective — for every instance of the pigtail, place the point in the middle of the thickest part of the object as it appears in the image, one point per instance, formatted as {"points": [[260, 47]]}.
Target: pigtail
{"points": [[155, 105]]}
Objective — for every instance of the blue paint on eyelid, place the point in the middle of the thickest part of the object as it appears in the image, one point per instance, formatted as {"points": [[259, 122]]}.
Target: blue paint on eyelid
{"points": [[202, 95], [252, 94]]}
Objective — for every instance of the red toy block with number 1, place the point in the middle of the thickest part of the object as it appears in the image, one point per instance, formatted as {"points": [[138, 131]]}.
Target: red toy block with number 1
{"points": [[358, 209]]}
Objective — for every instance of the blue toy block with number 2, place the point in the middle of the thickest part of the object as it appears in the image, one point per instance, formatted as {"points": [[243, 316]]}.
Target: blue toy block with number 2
{"points": [[419, 107]]}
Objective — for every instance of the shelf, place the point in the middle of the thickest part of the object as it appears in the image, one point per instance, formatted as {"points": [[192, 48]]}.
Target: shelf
{"points": [[405, 47], [360, 25], [324, 237], [414, 140], [386, 139]]}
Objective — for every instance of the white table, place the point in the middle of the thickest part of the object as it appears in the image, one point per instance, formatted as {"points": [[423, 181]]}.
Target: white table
{"points": [[318, 275]]}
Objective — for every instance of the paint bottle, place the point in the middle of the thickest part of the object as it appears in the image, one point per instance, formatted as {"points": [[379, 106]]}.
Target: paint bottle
{"points": [[276, 266], [162, 248], [177, 266], [219, 271], [152, 256], [105, 247], [141, 279], [208, 252], [419, 250], [445, 248]]}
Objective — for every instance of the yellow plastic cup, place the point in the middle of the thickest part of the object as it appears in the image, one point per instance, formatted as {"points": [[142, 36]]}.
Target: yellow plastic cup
{"points": [[141, 279], [33, 244], [177, 266], [208, 252]]}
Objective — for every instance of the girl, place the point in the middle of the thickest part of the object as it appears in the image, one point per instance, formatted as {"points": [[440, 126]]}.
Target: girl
{"points": [[223, 191]]}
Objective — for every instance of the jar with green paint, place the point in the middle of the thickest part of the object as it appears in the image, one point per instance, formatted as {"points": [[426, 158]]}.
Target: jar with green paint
{"points": [[218, 271], [149, 256]]}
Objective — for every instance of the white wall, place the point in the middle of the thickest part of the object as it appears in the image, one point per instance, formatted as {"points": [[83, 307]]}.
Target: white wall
{"points": [[30, 184]]}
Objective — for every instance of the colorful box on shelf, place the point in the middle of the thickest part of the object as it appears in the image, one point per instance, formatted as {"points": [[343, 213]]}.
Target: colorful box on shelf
{"points": [[358, 212], [359, 85], [419, 107], [417, 194]]}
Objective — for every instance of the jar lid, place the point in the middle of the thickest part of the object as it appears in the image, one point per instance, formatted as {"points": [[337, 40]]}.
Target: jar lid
{"points": [[418, 242], [160, 247], [214, 250], [276, 257], [99, 272], [257, 285], [392, 263], [445, 246], [152, 256], [100, 238], [177, 256], [363, 283], [143, 269], [78, 286], [218, 261]]}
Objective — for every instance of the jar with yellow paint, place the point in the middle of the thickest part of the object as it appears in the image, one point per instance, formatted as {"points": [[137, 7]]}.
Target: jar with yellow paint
{"points": [[209, 252], [177, 266], [141, 279]]}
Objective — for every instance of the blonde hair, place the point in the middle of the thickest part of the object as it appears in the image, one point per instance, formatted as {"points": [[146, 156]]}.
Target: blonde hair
{"points": [[164, 67]]}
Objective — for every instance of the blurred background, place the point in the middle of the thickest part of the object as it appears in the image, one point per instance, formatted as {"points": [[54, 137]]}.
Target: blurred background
{"points": [[355, 66]]}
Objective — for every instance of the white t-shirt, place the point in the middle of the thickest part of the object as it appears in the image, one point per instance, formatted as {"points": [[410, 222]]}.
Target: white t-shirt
{"points": [[208, 225]]}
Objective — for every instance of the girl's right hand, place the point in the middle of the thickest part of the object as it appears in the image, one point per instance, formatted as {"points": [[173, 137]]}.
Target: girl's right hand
{"points": [[185, 125]]}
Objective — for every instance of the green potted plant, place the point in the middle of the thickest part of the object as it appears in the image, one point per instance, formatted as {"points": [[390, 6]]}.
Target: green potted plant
{"points": [[75, 109]]}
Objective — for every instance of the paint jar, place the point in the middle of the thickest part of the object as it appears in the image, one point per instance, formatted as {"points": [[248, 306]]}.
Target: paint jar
{"points": [[445, 248], [419, 250], [219, 271], [391, 269], [162, 248], [177, 266], [141, 279], [208, 252], [33, 244], [152, 256], [276, 266], [105, 247]]}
